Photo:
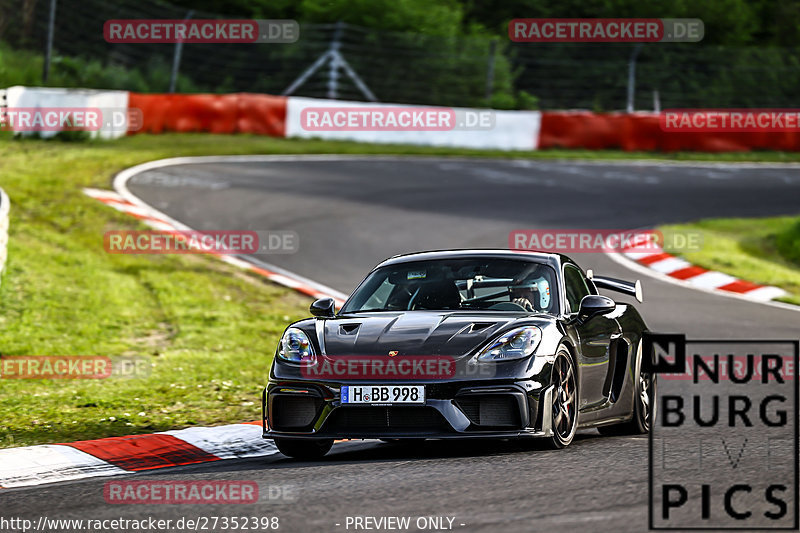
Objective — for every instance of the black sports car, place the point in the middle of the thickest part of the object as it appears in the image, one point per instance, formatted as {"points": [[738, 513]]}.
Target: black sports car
{"points": [[458, 344]]}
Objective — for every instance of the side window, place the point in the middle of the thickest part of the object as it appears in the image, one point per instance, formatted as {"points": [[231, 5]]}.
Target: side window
{"points": [[380, 296], [576, 287]]}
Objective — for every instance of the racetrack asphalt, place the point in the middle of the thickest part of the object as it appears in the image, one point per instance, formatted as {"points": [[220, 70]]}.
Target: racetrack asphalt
{"points": [[350, 213]]}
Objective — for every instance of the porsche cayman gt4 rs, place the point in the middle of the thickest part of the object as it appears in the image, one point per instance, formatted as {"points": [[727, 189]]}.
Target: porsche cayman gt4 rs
{"points": [[462, 344]]}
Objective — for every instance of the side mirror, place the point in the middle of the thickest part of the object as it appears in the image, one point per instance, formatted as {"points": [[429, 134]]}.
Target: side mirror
{"points": [[594, 304], [323, 308]]}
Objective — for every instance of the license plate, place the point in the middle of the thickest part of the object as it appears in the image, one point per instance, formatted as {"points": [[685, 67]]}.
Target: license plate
{"points": [[372, 394]]}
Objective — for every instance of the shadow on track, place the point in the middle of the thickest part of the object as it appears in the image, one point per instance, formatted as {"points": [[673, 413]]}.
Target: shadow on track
{"points": [[372, 451]]}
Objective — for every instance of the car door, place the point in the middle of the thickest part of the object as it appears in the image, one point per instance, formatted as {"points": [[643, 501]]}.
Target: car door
{"points": [[595, 336]]}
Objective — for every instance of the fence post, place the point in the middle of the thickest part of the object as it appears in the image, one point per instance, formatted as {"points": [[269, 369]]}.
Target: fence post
{"points": [[48, 51], [632, 76], [176, 58], [333, 67]]}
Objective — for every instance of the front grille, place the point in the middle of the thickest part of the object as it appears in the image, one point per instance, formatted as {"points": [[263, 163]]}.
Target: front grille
{"points": [[471, 408], [490, 410], [294, 412], [402, 419]]}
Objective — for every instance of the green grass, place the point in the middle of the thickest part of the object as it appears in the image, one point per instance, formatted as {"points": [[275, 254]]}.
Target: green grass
{"points": [[207, 329], [761, 250]]}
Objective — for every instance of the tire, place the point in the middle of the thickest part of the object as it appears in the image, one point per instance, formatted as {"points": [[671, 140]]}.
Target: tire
{"points": [[306, 449], [565, 400], [644, 400]]}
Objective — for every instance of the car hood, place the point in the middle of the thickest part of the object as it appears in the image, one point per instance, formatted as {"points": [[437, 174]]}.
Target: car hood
{"points": [[416, 332]]}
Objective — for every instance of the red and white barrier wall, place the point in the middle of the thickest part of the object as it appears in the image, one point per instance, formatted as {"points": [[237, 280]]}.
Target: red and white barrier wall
{"points": [[259, 114], [279, 116], [18, 97], [642, 132], [511, 130]]}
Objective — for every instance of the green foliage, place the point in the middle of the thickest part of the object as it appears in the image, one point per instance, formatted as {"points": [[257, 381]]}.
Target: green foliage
{"points": [[442, 17], [727, 22], [72, 136], [526, 101], [438, 52], [19, 67], [522, 100], [24, 67], [787, 242]]}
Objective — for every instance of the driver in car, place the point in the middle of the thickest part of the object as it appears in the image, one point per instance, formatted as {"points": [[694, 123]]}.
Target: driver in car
{"points": [[525, 295]]}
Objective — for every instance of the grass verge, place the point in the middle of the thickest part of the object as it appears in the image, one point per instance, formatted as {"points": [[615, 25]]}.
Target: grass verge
{"points": [[761, 250], [207, 329]]}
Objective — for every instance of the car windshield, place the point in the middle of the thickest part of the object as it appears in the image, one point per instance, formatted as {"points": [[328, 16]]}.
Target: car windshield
{"points": [[458, 284]]}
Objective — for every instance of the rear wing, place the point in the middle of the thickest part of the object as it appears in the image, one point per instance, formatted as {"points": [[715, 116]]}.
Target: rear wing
{"points": [[613, 284]]}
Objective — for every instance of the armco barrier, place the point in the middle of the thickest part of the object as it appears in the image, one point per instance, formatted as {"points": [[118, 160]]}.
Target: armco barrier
{"points": [[260, 114], [5, 207], [642, 132]]}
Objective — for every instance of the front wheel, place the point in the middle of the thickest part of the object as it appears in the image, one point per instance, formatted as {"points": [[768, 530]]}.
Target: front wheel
{"points": [[565, 400], [308, 449]]}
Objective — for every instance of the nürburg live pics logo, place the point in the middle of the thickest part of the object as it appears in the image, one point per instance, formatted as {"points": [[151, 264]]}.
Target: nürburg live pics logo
{"points": [[724, 433]]}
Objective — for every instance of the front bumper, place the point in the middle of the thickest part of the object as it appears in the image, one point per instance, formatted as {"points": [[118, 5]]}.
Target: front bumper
{"points": [[501, 409]]}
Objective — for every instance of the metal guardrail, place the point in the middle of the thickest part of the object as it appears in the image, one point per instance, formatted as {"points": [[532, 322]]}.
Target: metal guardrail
{"points": [[5, 207]]}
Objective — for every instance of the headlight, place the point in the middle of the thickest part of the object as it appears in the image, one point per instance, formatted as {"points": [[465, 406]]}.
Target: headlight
{"points": [[514, 344], [296, 347]]}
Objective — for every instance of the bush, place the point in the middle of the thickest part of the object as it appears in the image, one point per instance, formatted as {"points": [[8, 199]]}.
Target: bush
{"points": [[788, 243], [23, 67]]}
